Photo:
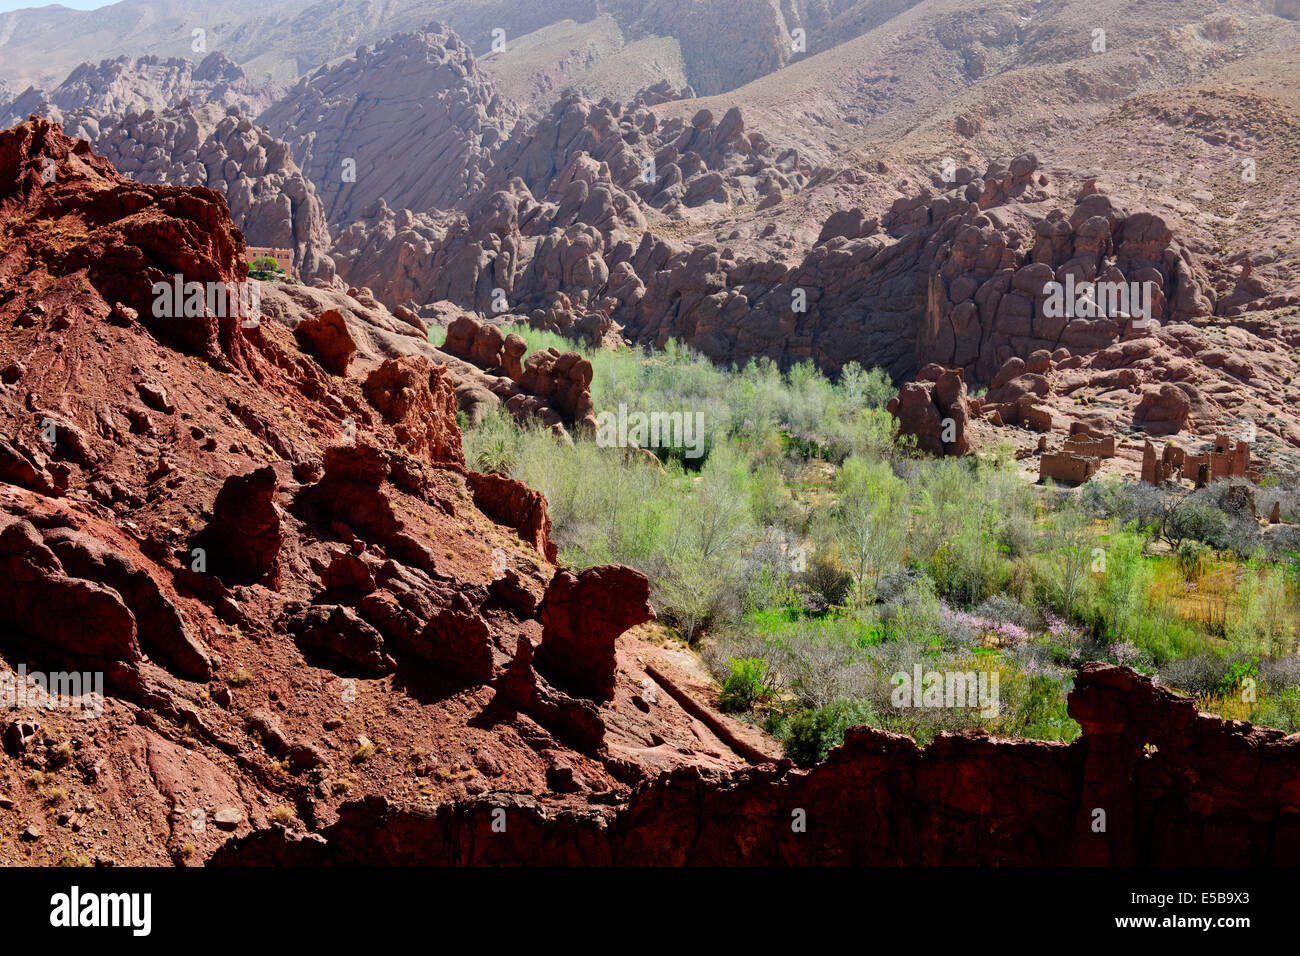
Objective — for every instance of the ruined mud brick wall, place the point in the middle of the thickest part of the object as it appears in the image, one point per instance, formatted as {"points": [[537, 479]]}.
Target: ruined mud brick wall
{"points": [[1066, 466], [1225, 460], [1103, 447], [1150, 782], [1158, 470]]}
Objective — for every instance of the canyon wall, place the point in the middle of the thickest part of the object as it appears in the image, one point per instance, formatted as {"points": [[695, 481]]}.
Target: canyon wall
{"points": [[1150, 782]]}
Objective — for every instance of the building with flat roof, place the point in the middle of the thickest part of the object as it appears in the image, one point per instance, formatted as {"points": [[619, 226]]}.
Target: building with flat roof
{"points": [[283, 257]]}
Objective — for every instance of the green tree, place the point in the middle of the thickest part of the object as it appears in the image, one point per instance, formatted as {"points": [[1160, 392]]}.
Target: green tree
{"points": [[870, 521]]}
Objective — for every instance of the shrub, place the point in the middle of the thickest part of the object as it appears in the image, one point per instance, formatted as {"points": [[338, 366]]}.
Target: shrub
{"points": [[1188, 518], [1280, 710], [1125, 501], [1005, 610], [1279, 673], [498, 455], [745, 686], [812, 733], [1193, 560], [1198, 675], [1262, 619], [827, 580], [916, 615]]}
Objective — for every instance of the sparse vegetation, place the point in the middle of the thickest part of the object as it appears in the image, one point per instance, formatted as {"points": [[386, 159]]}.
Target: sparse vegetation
{"points": [[811, 556]]}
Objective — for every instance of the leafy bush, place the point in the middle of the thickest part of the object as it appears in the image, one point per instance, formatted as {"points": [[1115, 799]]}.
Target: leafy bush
{"points": [[499, 455], [745, 686], [1189, 519], [813, 733], [951, 563], [1193, 560], [828, 581], [1280, 710]]}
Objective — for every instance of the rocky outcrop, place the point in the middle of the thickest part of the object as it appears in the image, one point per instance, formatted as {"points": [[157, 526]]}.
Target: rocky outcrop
{"points": [[419, 400], [125, 85], [515, 504], [1168, 380], [350, 126], [346, 641], [83, 618], [1145, 785], [552, 385], [561, 211], [146, 236], [934, 409], [271, 200], [161, 628], [242, 541], [582, 615], [957, 277], [1165, 410], [564, 379], [327, 337]]}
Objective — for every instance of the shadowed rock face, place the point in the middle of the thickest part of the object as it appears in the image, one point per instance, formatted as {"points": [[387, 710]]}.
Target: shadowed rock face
{"points": [[126, 85], [270, 199], [244, 536], [350, 125], [229, 534], [1150, 782]]}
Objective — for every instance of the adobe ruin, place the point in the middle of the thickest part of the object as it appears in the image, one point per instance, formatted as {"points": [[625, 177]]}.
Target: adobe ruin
{"points": [[1224, 460], [1079, 457]]}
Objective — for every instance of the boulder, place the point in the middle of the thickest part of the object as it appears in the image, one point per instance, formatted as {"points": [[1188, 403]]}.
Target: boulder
{"points": [[582, 617], [328, 338]]}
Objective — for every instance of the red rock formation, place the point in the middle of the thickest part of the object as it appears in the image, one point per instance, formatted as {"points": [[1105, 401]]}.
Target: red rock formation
{"points": [[140, 238], [934, 408], [582, 616], [71, 614], [242, 541], [1163, 411], [548, 380], [1150, 783], [515, 504], [160, 625], [419, 400], [327, 337], [345, 640], [358, 108], [271, 201], [339, 543]]}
